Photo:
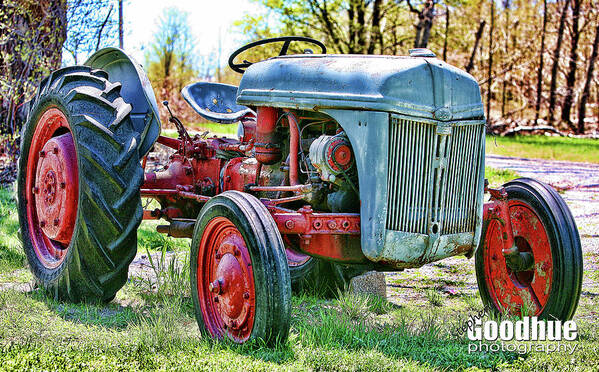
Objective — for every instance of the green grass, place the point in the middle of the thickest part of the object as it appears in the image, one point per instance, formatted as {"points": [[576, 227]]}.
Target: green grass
{"points": [[226, 130], [498, 177], [545, 147]]}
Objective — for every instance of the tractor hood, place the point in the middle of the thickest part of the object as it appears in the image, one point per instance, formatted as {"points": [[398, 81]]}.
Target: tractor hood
{"points": [[414, 86]]}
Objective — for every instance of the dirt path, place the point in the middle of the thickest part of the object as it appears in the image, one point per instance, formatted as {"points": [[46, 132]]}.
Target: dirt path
{"points": [[578, 184]]}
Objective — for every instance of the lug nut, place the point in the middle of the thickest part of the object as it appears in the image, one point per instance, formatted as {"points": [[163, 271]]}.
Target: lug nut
{"points": [[215, 299], [233, 324], [42, 224], [35, 190], [55, 150], [42, 154], [217, 256], [56, 221], [63, 185], [246, 295], [237, 252], [215, 286]]}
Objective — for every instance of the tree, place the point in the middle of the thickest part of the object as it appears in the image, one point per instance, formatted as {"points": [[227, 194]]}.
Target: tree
{"points": [[571, 79], [426, 15], [556, 55], [91, 24], [171, 62], [587, 85], [540, 69], [490, 71], [32, 35]]}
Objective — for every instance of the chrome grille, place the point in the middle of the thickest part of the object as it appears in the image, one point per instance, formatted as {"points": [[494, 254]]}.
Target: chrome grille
{"points": [[433, 177]]}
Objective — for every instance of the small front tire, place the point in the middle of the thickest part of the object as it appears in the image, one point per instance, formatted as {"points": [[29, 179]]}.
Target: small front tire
{"points": [[240, 281]]}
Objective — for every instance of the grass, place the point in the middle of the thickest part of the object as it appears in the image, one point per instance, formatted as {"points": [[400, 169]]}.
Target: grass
{"points": [[545, 147], [151, 324]]}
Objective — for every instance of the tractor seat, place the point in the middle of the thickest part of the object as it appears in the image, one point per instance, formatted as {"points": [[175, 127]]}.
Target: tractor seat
{"points": [[215, 102]]}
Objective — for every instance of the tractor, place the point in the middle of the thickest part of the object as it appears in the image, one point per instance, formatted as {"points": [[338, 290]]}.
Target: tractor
{"points": [[342, 164]]}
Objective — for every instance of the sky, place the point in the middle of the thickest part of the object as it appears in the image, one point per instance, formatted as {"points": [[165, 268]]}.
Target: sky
{"points": [[206, 17]]}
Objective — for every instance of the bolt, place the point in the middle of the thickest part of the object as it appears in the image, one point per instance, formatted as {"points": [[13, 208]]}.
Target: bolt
{"points": [[332, 224], [42, 154], [63, 185], [317, 225], [56, 221], [55, 150], [289, 224], [35, 190], [246, 295], [215, 286], [42, 224]]}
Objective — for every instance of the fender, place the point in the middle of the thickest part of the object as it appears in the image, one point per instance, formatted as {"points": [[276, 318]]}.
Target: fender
{"points": [[136, 90]]}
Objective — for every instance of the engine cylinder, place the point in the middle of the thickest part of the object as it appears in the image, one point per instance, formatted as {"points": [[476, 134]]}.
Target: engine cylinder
{"points": [[268, 150]]}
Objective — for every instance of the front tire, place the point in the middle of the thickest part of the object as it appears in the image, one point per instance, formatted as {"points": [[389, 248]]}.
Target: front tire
{"points": [[240, 283], [78, 186], [542, 224]]}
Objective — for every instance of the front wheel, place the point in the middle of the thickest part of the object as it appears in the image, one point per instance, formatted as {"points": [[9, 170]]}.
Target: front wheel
{"points": [[240, 281], [543, 225]]}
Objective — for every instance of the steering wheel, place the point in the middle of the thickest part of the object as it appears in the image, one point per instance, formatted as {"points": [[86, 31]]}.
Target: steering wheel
{"points": [[241, 67]]}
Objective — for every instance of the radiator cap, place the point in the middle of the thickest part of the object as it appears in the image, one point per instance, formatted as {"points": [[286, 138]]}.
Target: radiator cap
{"points": [[421, 52]]}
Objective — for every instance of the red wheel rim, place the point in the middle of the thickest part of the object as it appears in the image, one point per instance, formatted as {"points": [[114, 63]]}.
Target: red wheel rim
{"points": [[51, 188], [509, 290], [225, 277]]}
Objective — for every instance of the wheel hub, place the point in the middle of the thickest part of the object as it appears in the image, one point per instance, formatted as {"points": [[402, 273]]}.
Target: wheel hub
{"points": [[226, 288], [231, 286], [514, 289], [56, 188]]}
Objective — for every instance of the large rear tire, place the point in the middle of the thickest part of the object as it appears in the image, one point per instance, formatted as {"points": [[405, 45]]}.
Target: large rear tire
{"points": [[542, 224], [240, 283], [78, 186]]}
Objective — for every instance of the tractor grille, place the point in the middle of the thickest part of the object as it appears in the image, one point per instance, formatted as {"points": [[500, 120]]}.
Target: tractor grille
{"points": [[433, 177]]}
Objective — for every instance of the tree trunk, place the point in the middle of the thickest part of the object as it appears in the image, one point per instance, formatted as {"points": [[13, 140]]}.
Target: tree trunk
{"points": [[490, 71], [446, 33], [376, 36], [425, 22], [541, 62], [587, 85], [477, 37], [571, 79], [556, 55], [121, 44]]}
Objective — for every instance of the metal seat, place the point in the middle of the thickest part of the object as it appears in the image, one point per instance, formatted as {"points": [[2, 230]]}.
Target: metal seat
{"points": [[215, 102]]}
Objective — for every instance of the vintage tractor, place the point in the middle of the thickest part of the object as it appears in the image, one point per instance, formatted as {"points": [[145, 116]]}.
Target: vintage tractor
{"points": [[343, 163]]}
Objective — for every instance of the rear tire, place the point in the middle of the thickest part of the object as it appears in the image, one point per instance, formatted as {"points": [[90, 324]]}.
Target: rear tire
{"points": [[240, 283], [542, 224], [90, 262]]}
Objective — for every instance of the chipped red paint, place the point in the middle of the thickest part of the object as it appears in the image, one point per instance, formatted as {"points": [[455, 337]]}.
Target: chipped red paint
{"points": [[511, 290], [226, 281], [52, 187]]}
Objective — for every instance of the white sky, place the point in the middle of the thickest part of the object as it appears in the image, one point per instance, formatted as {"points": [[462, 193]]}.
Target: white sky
{"points": [[206, 18]]}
